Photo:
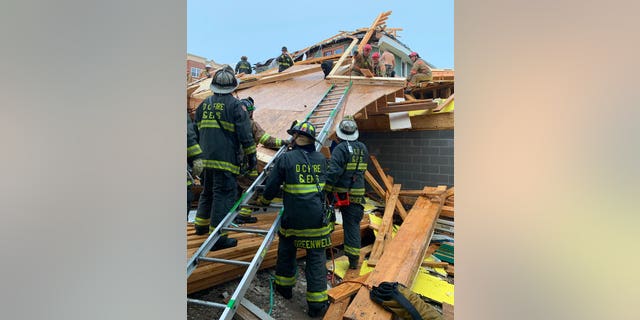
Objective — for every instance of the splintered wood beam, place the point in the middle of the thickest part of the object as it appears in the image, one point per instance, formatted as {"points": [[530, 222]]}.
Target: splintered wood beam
{"points": [[386, 226], [447, 211], [319, 60], [336, 310], [388, 185], [377, 22], [280, 76], [401, 260], [427, 191], [405, 107], [374, 184], [346, 289], [345, 54]]}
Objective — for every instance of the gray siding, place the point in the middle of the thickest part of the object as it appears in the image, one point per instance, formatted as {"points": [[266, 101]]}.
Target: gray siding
{"points": [[414, 158]]}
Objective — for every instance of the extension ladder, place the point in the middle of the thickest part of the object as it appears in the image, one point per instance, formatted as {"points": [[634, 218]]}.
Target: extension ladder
{"points": [[322, 117]]}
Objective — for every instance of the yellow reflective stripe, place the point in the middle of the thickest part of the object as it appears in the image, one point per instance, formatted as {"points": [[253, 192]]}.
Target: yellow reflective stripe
{"points": [[214, 124], [202, 222], [353, 191], [278, 143], [302, 188], [351, 250], [222, 165], [264, 138], [361, 166], [189, 182], [310, 233], [328, 187], [285, 281], [245, 212], [317, 296], [194, 150], [250, 149]]}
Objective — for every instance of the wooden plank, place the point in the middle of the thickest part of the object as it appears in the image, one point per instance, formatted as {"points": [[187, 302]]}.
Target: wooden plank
{"points": [[346, 53], [380, 19], [401, 260], [336, 310], [436, 121], [281, 76], [434, 264], [346, 289], [242, 313], [367, 73], [319, 59], [385, 226], [447, 211], [388, 185], [374, 184], [406, 107]]}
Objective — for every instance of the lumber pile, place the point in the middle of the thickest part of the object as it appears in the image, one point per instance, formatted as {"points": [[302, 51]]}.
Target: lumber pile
{"points": [[209, 274], [396, 258]]}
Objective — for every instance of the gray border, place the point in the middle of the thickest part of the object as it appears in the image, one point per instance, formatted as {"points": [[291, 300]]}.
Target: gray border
{"points": [[93, 157]]}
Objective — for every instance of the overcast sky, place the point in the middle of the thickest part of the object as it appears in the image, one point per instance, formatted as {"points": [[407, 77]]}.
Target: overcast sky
{"points": [[226, 30]]}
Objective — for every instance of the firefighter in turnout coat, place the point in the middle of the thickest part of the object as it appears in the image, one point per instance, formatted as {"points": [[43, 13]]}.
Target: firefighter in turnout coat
{"points": [[260, 137], [223, 127], [194, 163], [345, 181], [305, 224]]}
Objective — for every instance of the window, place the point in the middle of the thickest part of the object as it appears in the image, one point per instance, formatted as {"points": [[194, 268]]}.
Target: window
{"points": [[328, 53], [338, 50], [195, 72]]}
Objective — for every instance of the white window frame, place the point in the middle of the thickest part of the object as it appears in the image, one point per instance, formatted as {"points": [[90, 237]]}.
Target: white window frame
{"points": [[195, 72]]}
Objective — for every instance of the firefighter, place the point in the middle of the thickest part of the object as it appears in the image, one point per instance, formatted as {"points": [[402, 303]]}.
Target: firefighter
{"points": [[260, 137], [420, 71], [345, 181], [222, 127], [362, 61], [194, 162], [284, 60], [243, 66], [207, 71], [305, 223]]}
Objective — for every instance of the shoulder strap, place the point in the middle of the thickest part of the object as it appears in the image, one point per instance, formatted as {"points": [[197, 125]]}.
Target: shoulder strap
{"points": [[355, 171]]}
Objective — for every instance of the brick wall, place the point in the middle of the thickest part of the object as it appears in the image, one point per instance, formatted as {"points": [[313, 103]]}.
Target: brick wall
{"points": [[195, 64], [414, 158]]}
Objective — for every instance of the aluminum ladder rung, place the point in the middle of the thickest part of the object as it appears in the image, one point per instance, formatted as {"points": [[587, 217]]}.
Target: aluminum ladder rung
{"points": [[207, 303], [324, 110], [246, 230], [317, 117], [226, 261]]}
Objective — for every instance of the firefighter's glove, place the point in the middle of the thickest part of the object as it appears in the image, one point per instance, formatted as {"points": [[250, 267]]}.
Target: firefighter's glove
{"points": [[402, 302], [261, 201], [252, 162], [197, 167]]}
